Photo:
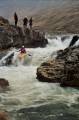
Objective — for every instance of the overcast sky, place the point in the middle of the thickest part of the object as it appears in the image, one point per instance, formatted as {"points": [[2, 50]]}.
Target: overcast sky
{"points": [[7, 7]]}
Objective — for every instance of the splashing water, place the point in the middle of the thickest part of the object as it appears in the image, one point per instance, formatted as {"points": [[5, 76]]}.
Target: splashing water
{"points": [[25, 89]]}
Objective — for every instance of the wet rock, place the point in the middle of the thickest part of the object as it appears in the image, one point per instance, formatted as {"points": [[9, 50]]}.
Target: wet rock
{"points": [[69, 54], [74, 40], [63, 38], [8, 60], [11, 36], [71, 66], [64, 69], [71, 73], [59, 53], [4, 116], [34, 38], [3, 83], [51, 71]]}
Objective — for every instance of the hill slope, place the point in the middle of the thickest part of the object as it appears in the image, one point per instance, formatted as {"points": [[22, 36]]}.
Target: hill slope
{"points": [[59, 20]]}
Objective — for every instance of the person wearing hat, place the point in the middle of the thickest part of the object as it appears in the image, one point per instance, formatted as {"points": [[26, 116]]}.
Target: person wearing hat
{"points": [[22, 53], [23, 50]]}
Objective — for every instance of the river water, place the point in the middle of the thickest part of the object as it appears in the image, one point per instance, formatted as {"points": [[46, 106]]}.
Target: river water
{"points": [[29, 99]]}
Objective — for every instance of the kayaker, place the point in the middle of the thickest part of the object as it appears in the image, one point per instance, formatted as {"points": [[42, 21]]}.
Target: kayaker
{"points": [[22, 50]]}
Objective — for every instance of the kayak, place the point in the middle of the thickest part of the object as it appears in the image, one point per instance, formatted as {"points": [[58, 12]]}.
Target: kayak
{"points": [[21, 58], [22, 55]]}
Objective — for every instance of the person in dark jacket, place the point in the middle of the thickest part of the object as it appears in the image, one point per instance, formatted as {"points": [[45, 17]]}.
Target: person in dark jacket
{"points": [[25, 22], [31, 23], [16, 18], [22, 50]]}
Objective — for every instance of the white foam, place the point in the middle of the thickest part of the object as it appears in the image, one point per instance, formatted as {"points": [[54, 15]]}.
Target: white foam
{"points": [[26, 89]]}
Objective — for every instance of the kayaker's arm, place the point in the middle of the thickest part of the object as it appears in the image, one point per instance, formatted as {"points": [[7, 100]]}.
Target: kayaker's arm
{"points": [[29, 55]]}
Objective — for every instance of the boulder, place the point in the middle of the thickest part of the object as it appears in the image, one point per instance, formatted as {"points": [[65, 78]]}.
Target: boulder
{"points": [[3, 21], [34, 38], [71, 73], [3, 83], [11, 36], [63, 38], [8, 60], [4, 116], [64, 69], [74, 40], [71, 66], [51, 71]]}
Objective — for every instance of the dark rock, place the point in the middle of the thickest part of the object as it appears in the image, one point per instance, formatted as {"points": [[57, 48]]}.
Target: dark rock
{"points": [[63, 38], [3, 83], [59, 53], [51, 71], [64, 69], [3, 53], [3, 21], [74, 40], [7, 60], [11, 36], [69, 54], [4, 116], [71, 73]]}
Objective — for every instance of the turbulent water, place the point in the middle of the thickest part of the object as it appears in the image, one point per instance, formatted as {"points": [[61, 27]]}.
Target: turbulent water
{"points": [[33, 99]]}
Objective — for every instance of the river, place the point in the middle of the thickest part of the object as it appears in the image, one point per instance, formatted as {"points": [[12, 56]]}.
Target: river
{"points": [[34, 99]]}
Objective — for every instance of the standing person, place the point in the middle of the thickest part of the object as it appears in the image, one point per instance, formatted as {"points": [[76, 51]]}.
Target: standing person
{"points": [[31, 22], [16, 19], [25, 22]]}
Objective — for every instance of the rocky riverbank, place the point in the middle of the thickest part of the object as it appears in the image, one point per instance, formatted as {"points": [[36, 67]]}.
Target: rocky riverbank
{"points": [[64, 69], [11, 36]]}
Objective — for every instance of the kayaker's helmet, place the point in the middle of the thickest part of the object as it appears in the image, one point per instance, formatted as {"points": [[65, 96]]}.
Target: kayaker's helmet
{"points": [[23, 46]]}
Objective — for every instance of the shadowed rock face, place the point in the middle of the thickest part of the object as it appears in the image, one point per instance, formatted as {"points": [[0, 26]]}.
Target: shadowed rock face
{"points": [[11, 36], [71, 67], [64, 69], [74, 40]]}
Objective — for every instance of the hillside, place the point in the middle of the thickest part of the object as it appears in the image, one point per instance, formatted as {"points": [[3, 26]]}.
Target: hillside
{"points": [[57, 16], [59, 20]]}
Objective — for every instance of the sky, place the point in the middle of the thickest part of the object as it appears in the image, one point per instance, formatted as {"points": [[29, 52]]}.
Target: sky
{"points": [[8, 7]]}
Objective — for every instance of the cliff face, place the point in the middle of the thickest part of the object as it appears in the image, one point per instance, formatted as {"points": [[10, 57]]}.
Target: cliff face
{"points": [[11, 36]]}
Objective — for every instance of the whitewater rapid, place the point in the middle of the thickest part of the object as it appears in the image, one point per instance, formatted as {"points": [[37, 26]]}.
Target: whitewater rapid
{"points": [[25, 90]]}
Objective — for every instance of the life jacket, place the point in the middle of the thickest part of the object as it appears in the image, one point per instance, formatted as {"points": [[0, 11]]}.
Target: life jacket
{"points": [[23, 50]]}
